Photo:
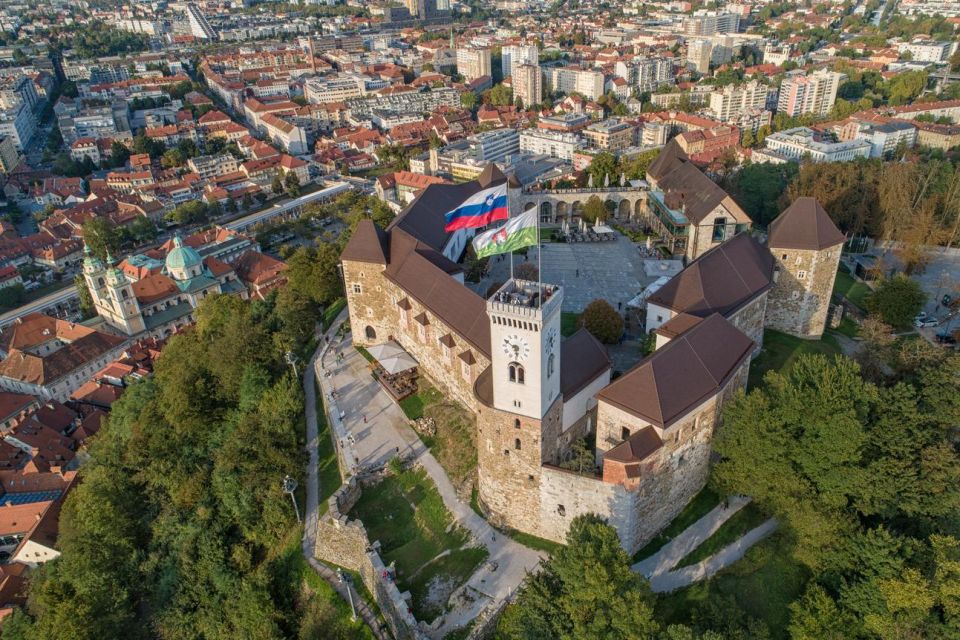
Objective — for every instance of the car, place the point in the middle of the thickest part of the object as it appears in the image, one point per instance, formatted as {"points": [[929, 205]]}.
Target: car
{"points": [[925, 322], [920, 316], [946, 338]]}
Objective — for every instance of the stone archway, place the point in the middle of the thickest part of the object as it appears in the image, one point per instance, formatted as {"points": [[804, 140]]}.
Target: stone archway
{"points": [[546, 211], [576, 211], [529, 205], [370, 333], [638, 210], [611, 208], [563, 210], [623, 210]]}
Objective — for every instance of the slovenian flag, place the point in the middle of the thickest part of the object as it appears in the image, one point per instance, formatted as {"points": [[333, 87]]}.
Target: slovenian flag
{"points": [[480, 209], [519, 232]]}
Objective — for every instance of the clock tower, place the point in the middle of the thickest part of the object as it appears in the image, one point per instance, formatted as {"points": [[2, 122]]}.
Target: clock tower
{"points": [[519, 426], [525, 344]]}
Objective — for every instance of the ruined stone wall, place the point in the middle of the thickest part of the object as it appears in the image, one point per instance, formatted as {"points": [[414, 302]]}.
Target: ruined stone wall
{"points": [[800, 298], [377, 305], [750, 320], [508, 476], [344, 542]]}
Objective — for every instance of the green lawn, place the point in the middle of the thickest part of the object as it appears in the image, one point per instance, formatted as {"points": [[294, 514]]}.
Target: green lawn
{"points": [[780, 351], [568, 323], [738, 524], [762, 584], [848, 327], [331, 312], [366, 354], [533, 542], [455, 443], [328, 474], [850, 288], [700, 506], [406, 514], [413, 406]]}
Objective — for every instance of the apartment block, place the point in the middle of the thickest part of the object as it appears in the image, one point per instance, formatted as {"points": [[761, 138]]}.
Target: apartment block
{"points": [[809, 93]]}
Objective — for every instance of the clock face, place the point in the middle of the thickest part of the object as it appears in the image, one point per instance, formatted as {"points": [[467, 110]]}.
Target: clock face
{"points": [[515, 347], [551, 339]]}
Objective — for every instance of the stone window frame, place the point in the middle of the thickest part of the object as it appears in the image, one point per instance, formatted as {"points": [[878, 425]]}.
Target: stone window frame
{"points": [[516, 373], [357, 288], [801, 275], [465, 371]]}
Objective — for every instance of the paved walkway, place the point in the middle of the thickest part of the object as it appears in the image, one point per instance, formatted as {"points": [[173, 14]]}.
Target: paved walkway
{"points": [[313, 488], [658, 568], [685, 576], [690, 538], [372, 429]]}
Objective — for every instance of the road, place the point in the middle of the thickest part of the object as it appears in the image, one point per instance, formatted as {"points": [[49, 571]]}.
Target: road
{"points": [[67, 294]]}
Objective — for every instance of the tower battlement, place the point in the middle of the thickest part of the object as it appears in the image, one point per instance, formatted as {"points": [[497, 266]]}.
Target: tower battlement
{"points": [[525, 299]]}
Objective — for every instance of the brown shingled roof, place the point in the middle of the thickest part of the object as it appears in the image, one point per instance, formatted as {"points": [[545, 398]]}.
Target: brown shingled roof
{"points": [[636, 447], [686, 371], [804, 225], [582, 359], [367, 244], [671, 157], [720, 281]]}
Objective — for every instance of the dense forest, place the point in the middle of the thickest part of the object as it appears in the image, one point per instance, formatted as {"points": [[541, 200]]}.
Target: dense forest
{"points": [[864, 479]]}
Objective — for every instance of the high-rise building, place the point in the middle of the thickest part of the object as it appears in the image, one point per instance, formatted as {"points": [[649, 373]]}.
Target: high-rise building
{"points": [[653, 72], [728, 103], [698, 55], [707, 23], [513, 56], [199, 27], [814, 93], [473, 63], [528, 84], [585, 82]]}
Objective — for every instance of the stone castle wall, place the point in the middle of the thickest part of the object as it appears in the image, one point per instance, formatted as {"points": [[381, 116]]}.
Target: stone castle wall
{"points": [[378, 306], [508, 475], [344, 542], [750, 320], [800, 298]]}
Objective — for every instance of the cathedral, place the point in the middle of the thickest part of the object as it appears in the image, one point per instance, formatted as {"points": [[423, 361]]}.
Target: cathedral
{"points": [[154, 293], [535, 393]]}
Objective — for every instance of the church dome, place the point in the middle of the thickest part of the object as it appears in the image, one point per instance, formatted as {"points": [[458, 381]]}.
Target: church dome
{"points": [[182, 258]]}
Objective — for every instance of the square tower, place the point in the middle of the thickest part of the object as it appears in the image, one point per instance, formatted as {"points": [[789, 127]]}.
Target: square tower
{"points": [[525, 347]]}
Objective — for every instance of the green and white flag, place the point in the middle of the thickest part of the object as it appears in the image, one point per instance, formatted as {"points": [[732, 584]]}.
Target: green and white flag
{"points": [[519, 232]]}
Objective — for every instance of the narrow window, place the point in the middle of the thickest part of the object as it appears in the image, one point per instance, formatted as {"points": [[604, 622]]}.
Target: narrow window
{"points": [[516, 444], [624, 433], [516, 423]]}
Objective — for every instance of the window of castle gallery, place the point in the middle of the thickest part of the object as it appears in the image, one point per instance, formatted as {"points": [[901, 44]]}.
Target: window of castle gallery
{"points": [[404, 318], [465, 371], [624, 433], [516, 444], [357, 288], [516, 423], [515, 373], [422, 333], [801, 275]]}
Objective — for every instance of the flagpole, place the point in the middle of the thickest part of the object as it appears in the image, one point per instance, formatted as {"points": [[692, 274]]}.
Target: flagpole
{"points": [[539, 275]]}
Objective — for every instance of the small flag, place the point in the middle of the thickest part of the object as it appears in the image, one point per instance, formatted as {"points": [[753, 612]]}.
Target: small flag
{"points": [[519, 232], [480, 209]]}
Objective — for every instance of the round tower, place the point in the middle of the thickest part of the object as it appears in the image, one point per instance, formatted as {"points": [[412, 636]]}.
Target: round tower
{"points": [[806, 247]]}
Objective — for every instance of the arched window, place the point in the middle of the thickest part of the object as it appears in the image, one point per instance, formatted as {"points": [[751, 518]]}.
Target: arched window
{"points": [[124, 294], [99, 282], [370, 333], [516, 444], [516, 423], [550, 366], [519, 374], [513, 372]]}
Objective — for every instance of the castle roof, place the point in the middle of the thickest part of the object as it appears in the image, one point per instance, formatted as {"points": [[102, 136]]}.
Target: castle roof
{"points": [[182, 256], [667, 384], [669, 158], [367, 244], [720, 281], [804, 225], [635, 448], [582, 359]]}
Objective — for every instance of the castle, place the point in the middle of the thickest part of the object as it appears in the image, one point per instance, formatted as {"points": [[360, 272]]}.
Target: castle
{"points": [[535, 394], [155, 293]]}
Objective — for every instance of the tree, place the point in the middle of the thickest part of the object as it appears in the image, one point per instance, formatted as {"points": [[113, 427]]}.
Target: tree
{"points": [[594, 210], [499, 96], [603, 321], [87, 308], [603, 164], [143, 144], [101, 236], [195, 211], [758, 188], [292, 184], [526, 271], [897, 300], [585, 591], [12, 296], [468, 100], [231, 206], [247, 201], [748, 140], [173, 158], [277, 185], [635, 168], [119, 154]]}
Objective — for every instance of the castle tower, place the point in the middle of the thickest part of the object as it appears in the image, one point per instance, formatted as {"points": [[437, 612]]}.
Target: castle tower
{"points": [[113, 295], [806, 247], [519, 430]]}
